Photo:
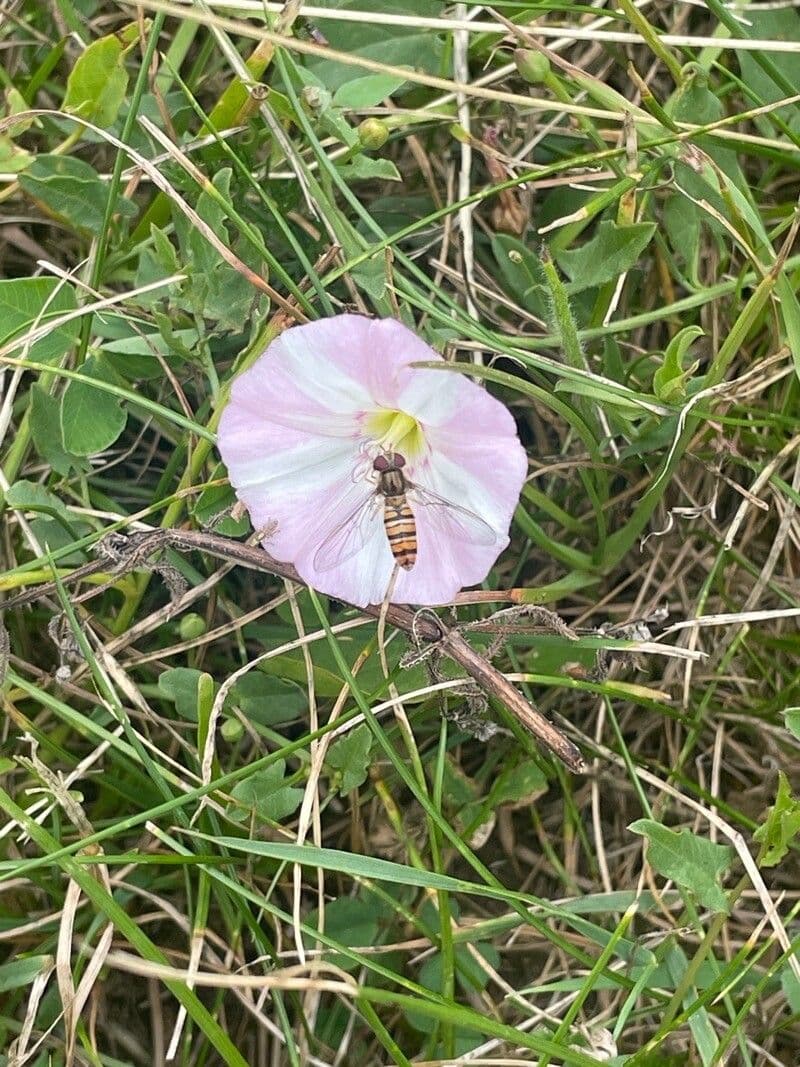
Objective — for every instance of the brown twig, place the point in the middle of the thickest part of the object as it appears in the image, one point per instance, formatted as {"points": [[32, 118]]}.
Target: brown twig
{"points": [[131, 551]]}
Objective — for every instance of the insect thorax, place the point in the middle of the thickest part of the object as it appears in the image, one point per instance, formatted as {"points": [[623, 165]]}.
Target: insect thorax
{"points": [[392, 483]]}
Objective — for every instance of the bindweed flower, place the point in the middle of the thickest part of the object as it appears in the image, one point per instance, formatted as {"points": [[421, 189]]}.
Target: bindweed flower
{"points": [[357, 461]]}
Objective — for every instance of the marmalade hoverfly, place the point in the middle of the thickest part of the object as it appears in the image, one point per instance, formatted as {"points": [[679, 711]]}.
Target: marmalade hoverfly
{"points": [[394, 495]]}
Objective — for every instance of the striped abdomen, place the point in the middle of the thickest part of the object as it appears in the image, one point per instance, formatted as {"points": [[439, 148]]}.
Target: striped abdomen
{"points": [[401, 530]]}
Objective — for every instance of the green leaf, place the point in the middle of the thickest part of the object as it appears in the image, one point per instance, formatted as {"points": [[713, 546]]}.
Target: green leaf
{"points": [[292, 668], [701, 185], [16, 104], [97, 83], [471, 977], [91, 419], [419, 49], [600, 392], [25, 302], [779, 25], [134, 356], [355, 922], [204, 255], [695, 102], [164, 251], [790, 313], [183, 686], [52, 524], [46, 432], [20, 973], [368, 91], [159, 260], [350, 757], [206, 693], [13, 159], [681, 223], [70, 190], [367, 168], [268, 701], [691, 861], [332, 121], [613, 250], [655, 436], [669, 381], [704, 1035], [520, 784], [54, 536], [781, 826], [371, 278], [30, 496], [349, 863], [215, 289], [522, 270], [791, 988], [457, 786], [791, 717], [265, 794], [210, 507], [231, 299]]}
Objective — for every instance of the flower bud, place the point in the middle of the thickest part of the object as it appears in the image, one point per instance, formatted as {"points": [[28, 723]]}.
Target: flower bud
{"points": [[191, 626], [231, 730], [533, 66], [373, 133]]}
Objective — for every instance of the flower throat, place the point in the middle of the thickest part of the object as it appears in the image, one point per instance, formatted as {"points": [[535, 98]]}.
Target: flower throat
{"points": [[395, 431]]}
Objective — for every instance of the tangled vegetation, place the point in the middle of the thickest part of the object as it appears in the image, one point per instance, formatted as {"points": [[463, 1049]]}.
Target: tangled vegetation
{"points": [[244, 823]]}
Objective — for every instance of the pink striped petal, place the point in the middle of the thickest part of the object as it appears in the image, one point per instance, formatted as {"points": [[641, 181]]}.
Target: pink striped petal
{"points": [[298, 438]]}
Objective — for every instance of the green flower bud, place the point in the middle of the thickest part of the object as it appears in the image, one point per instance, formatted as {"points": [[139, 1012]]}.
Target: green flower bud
{"points": [[533, 66], [373, 133], [191, 625], [231, 730]]}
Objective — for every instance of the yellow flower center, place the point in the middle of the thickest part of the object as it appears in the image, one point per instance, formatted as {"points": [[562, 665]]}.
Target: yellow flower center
{"points": [[395, 431]]}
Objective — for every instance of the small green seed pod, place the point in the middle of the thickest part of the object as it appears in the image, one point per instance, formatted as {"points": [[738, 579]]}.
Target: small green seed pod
{"points": [[373, 133], [191, 626], [231, 730], [533, 66]]}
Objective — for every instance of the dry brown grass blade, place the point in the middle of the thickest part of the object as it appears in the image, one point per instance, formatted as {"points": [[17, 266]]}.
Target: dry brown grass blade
{"points": [[18, 1052], [73, 999]]}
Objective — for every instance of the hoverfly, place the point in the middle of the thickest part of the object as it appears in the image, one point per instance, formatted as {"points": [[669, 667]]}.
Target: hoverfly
{"points": [[398, 498]]}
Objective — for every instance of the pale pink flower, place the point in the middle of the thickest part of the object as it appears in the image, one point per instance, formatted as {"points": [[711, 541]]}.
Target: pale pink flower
{"points": [[300, 437]]}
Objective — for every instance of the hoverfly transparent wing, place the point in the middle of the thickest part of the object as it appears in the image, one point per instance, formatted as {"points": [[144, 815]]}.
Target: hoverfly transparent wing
{"points": [[350, 535], [451, 519]]}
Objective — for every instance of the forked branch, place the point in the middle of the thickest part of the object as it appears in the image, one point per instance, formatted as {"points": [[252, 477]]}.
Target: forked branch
{"points": [[122, 553]]}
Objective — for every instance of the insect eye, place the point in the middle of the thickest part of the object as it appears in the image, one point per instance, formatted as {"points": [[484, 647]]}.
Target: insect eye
{"points": [[398, 460], [380, 463]]}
